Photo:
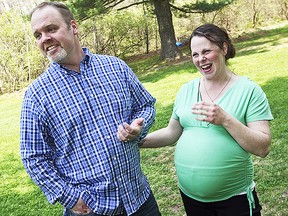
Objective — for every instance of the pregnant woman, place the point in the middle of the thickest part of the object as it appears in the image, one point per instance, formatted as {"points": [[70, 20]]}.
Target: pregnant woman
{"points": [[219, 121]]}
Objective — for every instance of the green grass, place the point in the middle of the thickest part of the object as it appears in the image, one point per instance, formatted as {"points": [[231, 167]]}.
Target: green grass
{"points": [[262, 56]]}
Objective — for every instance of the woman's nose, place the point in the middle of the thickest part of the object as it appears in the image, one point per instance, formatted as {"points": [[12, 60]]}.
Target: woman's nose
{"points": [[203, 58]]}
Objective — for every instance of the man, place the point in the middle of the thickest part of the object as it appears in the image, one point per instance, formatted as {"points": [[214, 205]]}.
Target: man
{"points": [[69, 121]]}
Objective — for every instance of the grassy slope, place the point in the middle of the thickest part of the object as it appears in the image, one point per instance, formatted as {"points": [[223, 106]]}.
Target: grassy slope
{"points": [[262, 57]]}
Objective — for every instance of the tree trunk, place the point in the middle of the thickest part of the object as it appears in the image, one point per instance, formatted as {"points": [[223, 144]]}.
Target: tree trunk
{"points": [[166, 29]]}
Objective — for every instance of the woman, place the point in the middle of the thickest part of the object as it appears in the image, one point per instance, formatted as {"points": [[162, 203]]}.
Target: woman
{"points": [[218, 122]]}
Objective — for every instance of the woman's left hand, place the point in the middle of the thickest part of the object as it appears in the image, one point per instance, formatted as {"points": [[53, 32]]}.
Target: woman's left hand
{"points": [[209, 112]]}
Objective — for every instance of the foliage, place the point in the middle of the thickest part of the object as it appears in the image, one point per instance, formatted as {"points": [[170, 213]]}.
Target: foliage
{"points": [[260, 57], [201, 7], [120, 34], [257, 14], [20, 61], [86, 9]]}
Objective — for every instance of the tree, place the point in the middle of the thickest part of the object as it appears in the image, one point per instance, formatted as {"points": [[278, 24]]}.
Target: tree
{"points": [[166, 29], [85, 9], [19, 58]]}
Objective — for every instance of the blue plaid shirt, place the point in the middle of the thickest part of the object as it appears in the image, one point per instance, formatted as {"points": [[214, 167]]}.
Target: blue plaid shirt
{"points": [[68, 138]]}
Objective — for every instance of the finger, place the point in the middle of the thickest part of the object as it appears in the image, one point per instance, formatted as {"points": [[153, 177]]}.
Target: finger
{"points": [[138, 122], [123, 129], [133, 129], [200, 112], [118, 136], [121, 134], [126, 127]]}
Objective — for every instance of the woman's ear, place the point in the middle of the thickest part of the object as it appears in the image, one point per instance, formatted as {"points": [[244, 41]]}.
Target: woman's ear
{"points": [[225, 48]]}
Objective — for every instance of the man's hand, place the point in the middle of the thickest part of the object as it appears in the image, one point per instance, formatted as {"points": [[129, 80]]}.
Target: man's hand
{"points": [[81, 207], [130, 132]]}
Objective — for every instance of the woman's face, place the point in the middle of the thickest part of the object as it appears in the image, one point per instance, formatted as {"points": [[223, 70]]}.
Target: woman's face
{"points": [[208, 57]]}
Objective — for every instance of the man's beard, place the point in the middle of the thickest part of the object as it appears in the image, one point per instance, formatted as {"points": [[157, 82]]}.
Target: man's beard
{"points": [[58, 56]]}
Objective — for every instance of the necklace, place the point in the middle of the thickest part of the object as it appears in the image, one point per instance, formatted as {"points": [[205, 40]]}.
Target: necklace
{"points": [[220, 91]]}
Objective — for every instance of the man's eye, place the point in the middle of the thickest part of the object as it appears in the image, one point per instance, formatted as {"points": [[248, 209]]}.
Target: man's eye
{"points": [[194, 55], [51, 30], [37, 36]]}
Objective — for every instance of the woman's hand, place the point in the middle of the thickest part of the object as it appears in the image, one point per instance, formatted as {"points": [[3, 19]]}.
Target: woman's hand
{"points": [[209, 112]]}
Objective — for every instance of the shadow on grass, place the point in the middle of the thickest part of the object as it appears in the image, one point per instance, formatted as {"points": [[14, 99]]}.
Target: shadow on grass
{"points": [[163, 114], [152, 69], [276, 91], [260, 41], [165, 71], [271, 173]]}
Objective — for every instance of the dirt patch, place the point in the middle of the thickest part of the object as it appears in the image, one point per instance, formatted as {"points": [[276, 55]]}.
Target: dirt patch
{"points": [[180, 58]]}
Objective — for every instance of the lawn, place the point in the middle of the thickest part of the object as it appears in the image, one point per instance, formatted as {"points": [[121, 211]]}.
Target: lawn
{"points": [[262, 56]]}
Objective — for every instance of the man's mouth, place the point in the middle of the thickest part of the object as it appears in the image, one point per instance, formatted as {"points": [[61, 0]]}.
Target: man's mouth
{"points": [[49, 48]]}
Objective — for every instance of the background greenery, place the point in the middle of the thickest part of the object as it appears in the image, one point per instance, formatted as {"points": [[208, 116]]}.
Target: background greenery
{"points": [[262, 56], [121, 33]]}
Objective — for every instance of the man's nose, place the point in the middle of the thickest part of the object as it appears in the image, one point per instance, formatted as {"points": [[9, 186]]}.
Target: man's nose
{"points": [[45, 37]]}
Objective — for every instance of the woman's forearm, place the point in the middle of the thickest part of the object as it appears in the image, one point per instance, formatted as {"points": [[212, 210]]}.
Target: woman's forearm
{"points": [[163, 137], [254, 138]]}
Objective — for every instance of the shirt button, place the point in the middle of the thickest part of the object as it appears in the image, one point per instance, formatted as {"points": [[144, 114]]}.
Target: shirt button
{"points": [[115, 158]]}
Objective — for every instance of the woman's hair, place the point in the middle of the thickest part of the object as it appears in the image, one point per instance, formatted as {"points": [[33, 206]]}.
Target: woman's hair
{"points": [[216, 35], [61, 8]]}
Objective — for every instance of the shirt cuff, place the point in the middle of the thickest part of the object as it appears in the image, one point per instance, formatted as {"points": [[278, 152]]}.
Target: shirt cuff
{"points": [[70, 197]]}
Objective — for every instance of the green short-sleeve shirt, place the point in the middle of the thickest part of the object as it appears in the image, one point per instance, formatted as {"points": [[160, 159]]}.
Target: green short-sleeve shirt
{"points": [[210, 164]]}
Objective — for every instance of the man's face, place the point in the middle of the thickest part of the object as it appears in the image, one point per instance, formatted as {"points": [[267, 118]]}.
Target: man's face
{"points": [[54, 38]]}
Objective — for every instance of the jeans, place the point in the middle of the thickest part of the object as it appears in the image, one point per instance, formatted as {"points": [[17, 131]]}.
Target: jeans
{"points": [[149, 208]]}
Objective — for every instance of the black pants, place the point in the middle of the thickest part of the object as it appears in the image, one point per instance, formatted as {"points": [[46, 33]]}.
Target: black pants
{"points": [[234, 206]]}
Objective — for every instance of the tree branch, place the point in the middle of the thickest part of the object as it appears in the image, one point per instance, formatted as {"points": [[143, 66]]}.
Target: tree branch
{"points": [[133, 4], [182, 9]]}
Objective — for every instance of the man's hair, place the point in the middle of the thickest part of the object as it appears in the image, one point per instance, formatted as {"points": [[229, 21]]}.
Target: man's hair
{"points": [[61, 8]]}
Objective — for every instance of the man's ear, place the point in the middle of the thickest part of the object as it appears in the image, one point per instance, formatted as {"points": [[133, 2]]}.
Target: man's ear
{"points": [[74, 27]]}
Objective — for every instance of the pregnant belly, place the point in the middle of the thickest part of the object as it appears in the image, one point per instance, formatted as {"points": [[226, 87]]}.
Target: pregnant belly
{"points": [[210, 165]]}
